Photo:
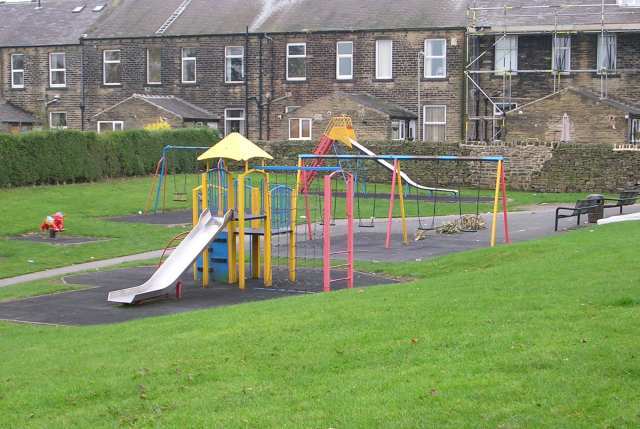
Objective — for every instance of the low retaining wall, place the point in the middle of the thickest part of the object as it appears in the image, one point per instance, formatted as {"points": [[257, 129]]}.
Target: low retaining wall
{"points": [[540, 167]]}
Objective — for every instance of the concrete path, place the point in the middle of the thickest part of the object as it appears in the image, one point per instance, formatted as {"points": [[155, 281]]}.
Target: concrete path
{"points": [[88, 266]]}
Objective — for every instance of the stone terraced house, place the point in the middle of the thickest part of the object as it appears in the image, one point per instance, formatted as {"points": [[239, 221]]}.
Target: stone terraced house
{"points": [[437, 71]]}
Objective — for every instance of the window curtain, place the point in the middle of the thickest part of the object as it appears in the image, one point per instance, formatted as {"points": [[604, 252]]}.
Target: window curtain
{"points": [[561, 49]]}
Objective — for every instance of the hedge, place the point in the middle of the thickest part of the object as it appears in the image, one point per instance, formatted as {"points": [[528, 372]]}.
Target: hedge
{"points": [[54, 157]]}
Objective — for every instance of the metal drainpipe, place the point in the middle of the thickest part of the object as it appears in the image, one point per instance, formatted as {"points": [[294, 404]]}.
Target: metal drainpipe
{"points": [[82, 84], [260, 90], [246, 84], [271, 86]]}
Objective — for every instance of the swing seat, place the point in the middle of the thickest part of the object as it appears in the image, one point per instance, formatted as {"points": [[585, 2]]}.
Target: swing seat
{"points": [[179, 197]]}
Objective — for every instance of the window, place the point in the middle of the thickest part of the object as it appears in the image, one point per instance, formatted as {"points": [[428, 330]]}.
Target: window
{"points": [[297, 61], [189, 65], [234, 121], [109, 126], [506, 50], [398, 130], [561, 54], [300, 129], [17, 71], [57, 70], [344, 60], [435, 58], [499, 110], [435, 122], [58, 120], [634, 135], [111, 67], [607, 53], [629, 3], [384, 59], [234, 64], [154, 66], [411, 131]]}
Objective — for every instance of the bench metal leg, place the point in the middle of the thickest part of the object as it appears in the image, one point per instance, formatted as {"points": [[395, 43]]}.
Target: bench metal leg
{"points": [[578, 220]]}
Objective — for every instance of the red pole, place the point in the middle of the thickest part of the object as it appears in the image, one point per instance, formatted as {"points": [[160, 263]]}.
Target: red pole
{"points": [[391, 196], [326, 236], [507, 238], [349, 231]]}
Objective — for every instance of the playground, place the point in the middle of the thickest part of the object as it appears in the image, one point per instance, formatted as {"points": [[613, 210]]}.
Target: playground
{"points": [[339, 291]]}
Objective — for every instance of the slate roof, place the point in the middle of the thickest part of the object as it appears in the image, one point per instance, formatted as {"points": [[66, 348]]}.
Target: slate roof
{"points": [[391, 109], [176, 106], [144, 17], [23, 24], [623, 106], [12, 114], [540, 15]]}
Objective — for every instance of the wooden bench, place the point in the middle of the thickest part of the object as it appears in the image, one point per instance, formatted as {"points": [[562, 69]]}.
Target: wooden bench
{"points": [[626, 198], [582, 207]]}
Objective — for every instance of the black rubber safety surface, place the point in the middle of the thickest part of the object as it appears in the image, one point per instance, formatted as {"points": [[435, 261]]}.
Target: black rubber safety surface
{"points": [[61, 239], [90, 306]]}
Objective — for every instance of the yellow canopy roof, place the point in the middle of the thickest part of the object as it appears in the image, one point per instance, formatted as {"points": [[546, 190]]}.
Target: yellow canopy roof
{"points": [[236, 147]]}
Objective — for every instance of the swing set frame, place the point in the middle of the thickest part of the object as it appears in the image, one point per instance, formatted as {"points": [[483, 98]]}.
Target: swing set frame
{"points": [[397, 186]]}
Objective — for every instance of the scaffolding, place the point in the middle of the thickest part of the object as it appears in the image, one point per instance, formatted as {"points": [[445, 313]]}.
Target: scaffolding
{"points": [[488, 107]]}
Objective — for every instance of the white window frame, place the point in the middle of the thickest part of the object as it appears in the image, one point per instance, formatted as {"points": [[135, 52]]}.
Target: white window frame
{"points": [[634, 123], [63, 70], [14, 70], [104, 67], [425, 124], [304, 57], [113, 125], [229, 57], [243, 119], [628, 3], [183, 68], [300, 137], [402, 129], [513, 55], [58, 113], [379, 75], [602, 70], [564, 48], [340, 56], [149, 81], [428, 57]]}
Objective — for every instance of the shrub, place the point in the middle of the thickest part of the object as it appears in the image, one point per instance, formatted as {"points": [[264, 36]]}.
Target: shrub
{"points": [[53, 157]]}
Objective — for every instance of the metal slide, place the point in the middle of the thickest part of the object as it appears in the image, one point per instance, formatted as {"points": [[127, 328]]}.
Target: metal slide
{"points": [[404, 175], [178, 262]]}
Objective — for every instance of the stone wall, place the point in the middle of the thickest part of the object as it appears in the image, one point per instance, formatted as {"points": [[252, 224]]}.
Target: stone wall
{"points": [[544, 167]]}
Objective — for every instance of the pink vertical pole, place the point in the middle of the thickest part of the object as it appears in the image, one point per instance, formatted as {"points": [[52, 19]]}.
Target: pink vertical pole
{"points": [[349, 231], [391, 197], [326, 239], [503, 184]]}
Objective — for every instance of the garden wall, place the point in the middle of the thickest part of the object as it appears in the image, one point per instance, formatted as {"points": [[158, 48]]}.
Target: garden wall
{"points": [[540, 167]]}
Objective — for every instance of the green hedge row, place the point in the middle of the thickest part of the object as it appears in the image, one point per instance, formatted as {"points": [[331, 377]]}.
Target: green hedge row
{"points": [[54, 157]]}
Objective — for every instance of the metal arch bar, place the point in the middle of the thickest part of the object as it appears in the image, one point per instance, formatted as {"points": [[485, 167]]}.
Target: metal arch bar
{"points": [[406, 157], [290, 168]]}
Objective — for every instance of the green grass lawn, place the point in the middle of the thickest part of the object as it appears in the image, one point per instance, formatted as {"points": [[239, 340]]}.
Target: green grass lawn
{"points": [[86, 205], [537, 334]]}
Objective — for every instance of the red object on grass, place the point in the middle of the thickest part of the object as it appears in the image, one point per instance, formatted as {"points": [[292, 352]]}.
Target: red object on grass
{"points": [[53, 224]]}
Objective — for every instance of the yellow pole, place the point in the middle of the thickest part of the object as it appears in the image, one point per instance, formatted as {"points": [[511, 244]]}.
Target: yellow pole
{"points": [[205, 205], [292, 235], [496, 200], [255, 238], [403, 212], [241, 215], [267, 232], [194, 219], [231, 232]]}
